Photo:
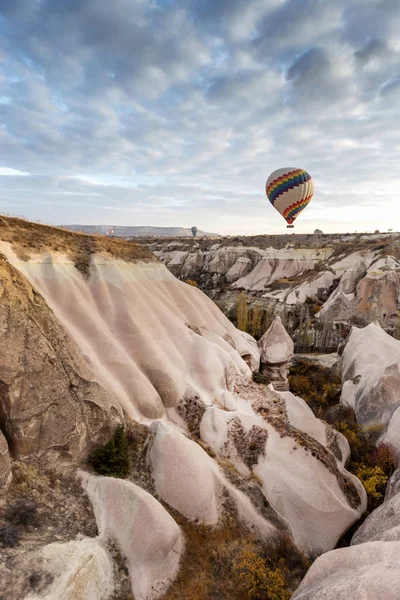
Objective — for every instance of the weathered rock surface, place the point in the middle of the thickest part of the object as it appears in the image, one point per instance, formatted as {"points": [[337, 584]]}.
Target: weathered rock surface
{"points": [[5, 465], [371, 380], [276, 352], [149, 339], [393, 485], [383, 524], [365, 572], [145, 532], [80, 570], [51, 409], [190, 481], [298, 459]]}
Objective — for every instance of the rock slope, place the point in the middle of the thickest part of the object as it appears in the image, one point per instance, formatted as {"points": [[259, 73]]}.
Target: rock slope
{"points": [[103, 332], [370, 567]]}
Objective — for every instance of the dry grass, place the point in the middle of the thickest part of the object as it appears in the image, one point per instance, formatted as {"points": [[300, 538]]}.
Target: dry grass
{"points": [[28, 238], [208, 570]]}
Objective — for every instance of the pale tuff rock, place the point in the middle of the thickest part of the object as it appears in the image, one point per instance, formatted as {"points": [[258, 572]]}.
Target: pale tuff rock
{"points": [[296, 457], [192, 265], [81, 570], [383, 524], [363, 572], [339, 307], [5, 465], [242, 267], [276, 348], [51, 407], [223, 259], [184, 474], [371, 380], [314, 288], [378, 295], [149, 339], [190, 481], [393, 485], [144, 531]]}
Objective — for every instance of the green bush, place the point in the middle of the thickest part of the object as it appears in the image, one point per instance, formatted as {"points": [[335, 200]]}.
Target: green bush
{"points": [[112, 459], [260, 378]]}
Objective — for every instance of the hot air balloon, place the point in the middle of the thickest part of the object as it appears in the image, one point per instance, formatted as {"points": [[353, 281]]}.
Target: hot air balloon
{"points": [[194, 230], [289, 190]]}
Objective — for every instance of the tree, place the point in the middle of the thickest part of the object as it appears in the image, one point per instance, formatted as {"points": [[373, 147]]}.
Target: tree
{"points": [[242, 311], [256, 321]]}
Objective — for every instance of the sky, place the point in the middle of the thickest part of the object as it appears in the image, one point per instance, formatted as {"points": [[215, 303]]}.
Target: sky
{"points": [[175, 112]]}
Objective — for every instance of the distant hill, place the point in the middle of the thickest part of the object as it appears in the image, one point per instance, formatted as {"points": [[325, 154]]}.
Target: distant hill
{"points": [[141, 231]]}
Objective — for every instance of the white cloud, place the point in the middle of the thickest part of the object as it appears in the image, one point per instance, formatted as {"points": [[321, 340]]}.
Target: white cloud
{"points": [[7, 172]]}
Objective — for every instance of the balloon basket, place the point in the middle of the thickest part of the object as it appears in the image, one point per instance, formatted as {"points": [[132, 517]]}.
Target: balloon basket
{"points": [[290, 226]]}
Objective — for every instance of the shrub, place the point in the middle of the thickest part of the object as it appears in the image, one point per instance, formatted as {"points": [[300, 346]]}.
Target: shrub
{"points": [[385, 457], [258, 580], [300, 386], [260, 378], [9, 535], [192, 282], [374, 480], [22, 512], [112, 459]]}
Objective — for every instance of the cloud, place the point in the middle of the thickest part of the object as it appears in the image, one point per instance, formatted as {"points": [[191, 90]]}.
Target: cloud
{"points": [[7, 172], [155, 112]]}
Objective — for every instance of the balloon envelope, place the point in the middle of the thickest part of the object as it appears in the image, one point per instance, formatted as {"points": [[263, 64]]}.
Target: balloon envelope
{"points": [[289, 190]]}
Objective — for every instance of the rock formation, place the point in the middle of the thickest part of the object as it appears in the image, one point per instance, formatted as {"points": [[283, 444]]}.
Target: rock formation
{"points": [[352, 279], [276, 352], [147, 535], [51, 408], [5, 465], [370, 567], [101, 332], [371, 381]]}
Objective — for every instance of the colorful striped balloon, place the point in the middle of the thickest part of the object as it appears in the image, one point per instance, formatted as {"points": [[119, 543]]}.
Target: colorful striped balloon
{"points": [[289, 191]]}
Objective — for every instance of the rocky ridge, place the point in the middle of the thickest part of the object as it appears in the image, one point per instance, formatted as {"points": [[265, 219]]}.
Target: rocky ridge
{"points": [[98, 332], [341, 279]]}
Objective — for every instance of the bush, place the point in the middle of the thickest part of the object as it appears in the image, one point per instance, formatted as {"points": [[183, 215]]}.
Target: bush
{"points": [[22, 512], [374, 481], [112, 459], [385, 457], [260, 378], [192, 282], [258, 580], [9, 535]]}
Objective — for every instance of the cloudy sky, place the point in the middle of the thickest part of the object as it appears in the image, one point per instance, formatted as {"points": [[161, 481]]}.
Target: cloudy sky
{"points": [[174, 112]]}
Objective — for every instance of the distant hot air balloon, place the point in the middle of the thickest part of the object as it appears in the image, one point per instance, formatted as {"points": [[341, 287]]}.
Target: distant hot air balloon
{"points": [[194, 230], [289, 190]]}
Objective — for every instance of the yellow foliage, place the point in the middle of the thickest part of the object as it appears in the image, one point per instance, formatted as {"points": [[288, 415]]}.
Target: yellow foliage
{"points": [[191, 282], [349, 433], [258, 581], [242, 311], [374, 480], [256, 320]]}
